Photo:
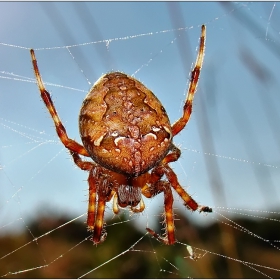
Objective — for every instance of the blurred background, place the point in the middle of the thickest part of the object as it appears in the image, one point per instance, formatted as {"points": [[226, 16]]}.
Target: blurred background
{"points": [[230, 147]]}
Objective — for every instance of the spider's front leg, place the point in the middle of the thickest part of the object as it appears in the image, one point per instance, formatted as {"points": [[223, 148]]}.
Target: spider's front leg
{"points": [[60, 129], [181, 123]]}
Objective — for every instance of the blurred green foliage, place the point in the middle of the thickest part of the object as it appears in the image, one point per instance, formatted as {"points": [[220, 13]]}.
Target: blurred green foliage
{"points": [[67, 252]]}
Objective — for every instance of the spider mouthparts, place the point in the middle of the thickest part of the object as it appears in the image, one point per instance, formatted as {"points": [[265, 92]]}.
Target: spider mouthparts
{"points": [[129, 195]]}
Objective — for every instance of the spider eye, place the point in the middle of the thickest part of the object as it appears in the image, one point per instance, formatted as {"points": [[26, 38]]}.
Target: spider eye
{"points": [[129, 195]]}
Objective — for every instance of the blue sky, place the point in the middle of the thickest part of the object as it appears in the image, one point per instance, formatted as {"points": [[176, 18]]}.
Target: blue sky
{"points": [[230, 148]]}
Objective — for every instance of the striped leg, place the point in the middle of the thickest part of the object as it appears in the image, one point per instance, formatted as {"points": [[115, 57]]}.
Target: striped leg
{"points": [[60, 129], [163, 186], [180, 124]]}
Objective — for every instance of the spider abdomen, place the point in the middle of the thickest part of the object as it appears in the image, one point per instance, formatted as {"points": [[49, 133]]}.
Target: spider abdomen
{"points": [[123, 126]]}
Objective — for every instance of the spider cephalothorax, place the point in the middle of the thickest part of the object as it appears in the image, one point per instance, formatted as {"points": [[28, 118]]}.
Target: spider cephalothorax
{"points": [[126, 132]]}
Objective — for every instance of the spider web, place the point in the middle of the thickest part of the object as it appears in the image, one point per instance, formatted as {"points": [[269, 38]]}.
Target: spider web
{"points": [[230, 147]]}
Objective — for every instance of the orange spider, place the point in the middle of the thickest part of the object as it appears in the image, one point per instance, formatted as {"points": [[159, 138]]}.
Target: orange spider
{"points": [[126, 132]]}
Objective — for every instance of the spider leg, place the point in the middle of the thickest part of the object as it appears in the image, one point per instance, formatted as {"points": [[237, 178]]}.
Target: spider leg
{"points": [[180, 124], [84, 165], [189, 201], [92, 182], [91, 167], [99, 194], [60, 129], [91, 201], [156, 187], [163, 186], [98, 227], [105, 192], [173, 156]]}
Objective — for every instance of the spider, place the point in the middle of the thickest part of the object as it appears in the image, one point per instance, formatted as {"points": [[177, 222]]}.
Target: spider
{"points": [[126, 132]]}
